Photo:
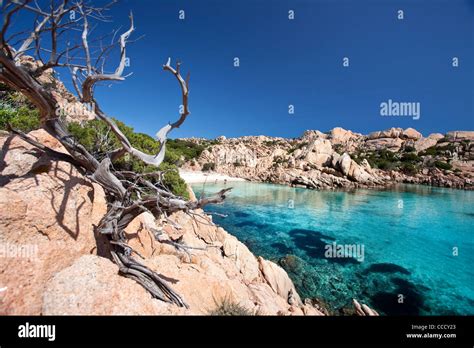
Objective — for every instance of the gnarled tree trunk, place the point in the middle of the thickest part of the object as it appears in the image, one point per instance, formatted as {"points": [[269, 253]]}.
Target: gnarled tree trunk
{"points": [[120, 187]]}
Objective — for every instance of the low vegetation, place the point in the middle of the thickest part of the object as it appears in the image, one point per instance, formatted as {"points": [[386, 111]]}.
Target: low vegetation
{"points": [[443, 165], [297, 147], [338, 148], [208, 167], [406, 161], [438, 150], [277, 160], [17, 111], [227, 307], [271, 143]]}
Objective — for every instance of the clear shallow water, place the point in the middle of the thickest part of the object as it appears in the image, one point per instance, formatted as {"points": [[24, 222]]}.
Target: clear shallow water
{"points": [[408, 234]]}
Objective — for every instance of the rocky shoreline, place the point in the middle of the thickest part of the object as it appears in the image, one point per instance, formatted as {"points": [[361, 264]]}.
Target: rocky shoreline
{"points": [[50, 205], [54, 261], [343, 159]]}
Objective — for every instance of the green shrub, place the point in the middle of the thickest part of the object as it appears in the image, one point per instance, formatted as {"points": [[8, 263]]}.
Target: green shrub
{"points": [[229, 308], [297, 147], [91, 134], [22, 118], [387, 155], [431, 151], [208, 166], [438, 150], [17, 110], [409, 168], [410, 157], [338, 148], [278, 160], [381, 159], [358, 159], [187, 149], [173, 181], [448, 147], [271, 143], [383, 164], [14, 99], [442, 165]]}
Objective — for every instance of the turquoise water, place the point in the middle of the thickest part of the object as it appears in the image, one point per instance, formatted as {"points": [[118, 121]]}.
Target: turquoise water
{"points": [[410, 235]]}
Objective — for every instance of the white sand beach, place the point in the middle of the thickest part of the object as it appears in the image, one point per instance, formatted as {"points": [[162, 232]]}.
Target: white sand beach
{"points": [[211, 177]]}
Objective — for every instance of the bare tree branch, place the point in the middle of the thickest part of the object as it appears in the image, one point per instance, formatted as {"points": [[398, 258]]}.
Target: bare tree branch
{"points": [[128, 194]]}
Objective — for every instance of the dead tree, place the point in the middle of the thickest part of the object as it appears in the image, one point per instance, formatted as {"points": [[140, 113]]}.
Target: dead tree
{"points": [[62, 33]]}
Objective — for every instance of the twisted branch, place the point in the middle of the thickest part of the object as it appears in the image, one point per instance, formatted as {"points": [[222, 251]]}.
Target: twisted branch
{"points": [[120, 187]]}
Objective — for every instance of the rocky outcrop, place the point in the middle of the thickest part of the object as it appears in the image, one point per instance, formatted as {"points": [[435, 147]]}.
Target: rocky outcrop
{"points": [[460, 135], [57, 265], [425, 143], [309, 162], [44, 207], [347, 139], [278, 280], [92, 286], [344, 159], [389, 143], [218, 268], [318, 152], [408, 133]]}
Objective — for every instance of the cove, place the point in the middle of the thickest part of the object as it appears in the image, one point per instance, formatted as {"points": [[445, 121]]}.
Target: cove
{"points": [[408, 268]]}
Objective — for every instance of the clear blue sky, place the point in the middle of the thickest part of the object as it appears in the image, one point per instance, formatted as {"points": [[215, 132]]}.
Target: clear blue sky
{"points": [[297, 62]]}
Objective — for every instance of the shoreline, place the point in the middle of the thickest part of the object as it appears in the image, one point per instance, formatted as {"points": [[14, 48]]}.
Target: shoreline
{"points": [[194, 177]]}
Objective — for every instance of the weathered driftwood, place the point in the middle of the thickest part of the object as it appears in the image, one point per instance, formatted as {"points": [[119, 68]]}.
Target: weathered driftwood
{"points": [[87, 72]]}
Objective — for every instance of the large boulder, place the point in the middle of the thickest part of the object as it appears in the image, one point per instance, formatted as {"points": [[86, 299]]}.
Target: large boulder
{"points": [[141, 235], [317, 152], [311, 135], [344, 164], [245, 261], [220, 268], [425, 143], [340, 135], [389, 143], [359, 173], [18, 157], [92, 286], [411, 133], [345, 139], [389, 133], [48, 208], [278, 280]]}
